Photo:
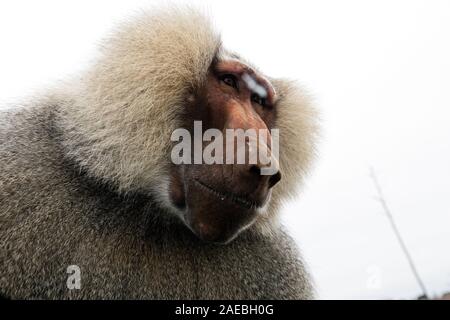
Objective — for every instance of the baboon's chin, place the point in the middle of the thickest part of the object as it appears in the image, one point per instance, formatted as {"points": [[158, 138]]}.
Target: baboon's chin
{"points": [[216, 217], [217, 225], [215, 211]]}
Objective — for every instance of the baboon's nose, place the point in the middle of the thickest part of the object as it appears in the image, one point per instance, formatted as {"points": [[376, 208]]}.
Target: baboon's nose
{"points": [[270, 177]]}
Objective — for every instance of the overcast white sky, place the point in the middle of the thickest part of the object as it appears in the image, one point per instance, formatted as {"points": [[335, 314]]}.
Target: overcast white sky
{"points": [[380, 73]]}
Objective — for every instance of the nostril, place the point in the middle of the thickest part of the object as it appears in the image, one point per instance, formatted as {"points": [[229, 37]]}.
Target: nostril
{"points": [[273, 180], [255, 170]]}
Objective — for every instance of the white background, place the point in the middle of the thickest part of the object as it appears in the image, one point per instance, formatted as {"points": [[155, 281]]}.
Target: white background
{"points": [[380, 73]]}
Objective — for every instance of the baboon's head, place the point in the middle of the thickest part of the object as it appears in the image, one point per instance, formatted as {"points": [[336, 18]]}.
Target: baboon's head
{"points": [[168, 111]]}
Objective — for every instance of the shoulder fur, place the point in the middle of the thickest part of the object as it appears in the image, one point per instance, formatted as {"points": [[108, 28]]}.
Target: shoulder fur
{"points": [[124, 109]]}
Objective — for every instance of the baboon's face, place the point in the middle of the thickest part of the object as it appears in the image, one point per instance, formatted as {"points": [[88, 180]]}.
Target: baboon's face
{"points": [[217, 201]]}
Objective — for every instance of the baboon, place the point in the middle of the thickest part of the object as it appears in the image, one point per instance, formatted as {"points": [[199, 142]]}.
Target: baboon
{"points": [[86, 177]]}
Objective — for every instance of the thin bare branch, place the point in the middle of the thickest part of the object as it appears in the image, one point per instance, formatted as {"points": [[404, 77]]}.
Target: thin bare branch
{"points": [[388, 213]]}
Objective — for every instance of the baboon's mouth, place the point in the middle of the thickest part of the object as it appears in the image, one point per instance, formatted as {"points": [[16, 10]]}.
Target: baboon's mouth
{"points": [[240, 200]]}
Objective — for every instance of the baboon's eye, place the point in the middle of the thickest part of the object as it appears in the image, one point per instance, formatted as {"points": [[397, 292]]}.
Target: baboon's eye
{"points": [[229, 80], [257, 99]]}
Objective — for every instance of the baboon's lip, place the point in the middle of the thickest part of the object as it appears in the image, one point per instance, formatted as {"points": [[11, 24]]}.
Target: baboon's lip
{"points": [[239, 200]]}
